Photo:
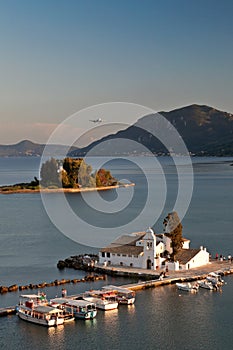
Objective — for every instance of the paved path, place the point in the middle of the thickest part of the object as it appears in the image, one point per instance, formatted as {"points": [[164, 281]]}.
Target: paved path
{"points": [[211, 267]]}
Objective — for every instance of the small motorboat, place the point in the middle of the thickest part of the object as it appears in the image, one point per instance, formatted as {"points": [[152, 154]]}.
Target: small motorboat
{"points": [[206, 285], [188, 287], [215, 279]]}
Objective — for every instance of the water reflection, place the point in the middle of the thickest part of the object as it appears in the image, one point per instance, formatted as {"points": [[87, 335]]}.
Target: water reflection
{"points": [[110, 315]]}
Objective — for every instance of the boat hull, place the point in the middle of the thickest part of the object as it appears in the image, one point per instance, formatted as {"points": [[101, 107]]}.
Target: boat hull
{"points": [[129, 301], [186, 288], [40, 321], [85, 315], [102, 304]]}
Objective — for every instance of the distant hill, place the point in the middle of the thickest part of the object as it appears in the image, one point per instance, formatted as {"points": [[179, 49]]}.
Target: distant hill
{"points": [[205, 131], [27, 148]]}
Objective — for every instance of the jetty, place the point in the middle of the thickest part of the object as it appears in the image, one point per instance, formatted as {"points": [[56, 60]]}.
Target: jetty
{"points": [[150, 278]]}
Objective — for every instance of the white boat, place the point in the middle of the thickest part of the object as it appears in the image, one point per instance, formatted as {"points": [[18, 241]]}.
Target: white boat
{"points": [[215, 279], [102, 300], [81, 309], [123, 295], [188, 287], [206, 285], [34, 308]]}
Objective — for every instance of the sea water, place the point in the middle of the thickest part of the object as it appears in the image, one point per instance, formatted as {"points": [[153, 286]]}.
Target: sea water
{"points": [[162, 318]]}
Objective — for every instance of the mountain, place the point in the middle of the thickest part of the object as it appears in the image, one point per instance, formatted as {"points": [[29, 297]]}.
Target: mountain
{"points": [[205, 131], [27, 148]]}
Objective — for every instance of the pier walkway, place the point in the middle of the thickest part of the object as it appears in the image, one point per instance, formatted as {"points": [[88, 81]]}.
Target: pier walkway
{"points": [[151, 276]]}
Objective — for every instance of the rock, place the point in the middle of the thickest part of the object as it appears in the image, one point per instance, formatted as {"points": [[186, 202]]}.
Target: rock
{"points": [[51, 284], [13, 288], [76, 265], [3, 289], [61, 264], [64, 281]]}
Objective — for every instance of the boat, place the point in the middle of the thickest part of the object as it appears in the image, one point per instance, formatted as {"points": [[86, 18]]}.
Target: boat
{"points": [[206, 285], [123, 295], [34, 308], [103, 300], [81, 309], [215, 279], [188, 287]]}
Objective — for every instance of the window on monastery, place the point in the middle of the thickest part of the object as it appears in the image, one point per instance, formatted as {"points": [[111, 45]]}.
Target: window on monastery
{"points": [[129, 255], [118, 254], [123, 254], [108, 255], [113, 254], [103, 254]]}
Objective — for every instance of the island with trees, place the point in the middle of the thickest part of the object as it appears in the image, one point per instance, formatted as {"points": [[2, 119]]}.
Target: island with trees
{"points": [[67, 175]]}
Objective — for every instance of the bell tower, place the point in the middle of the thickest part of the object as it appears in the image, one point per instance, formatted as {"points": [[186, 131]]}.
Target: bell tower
{"points": [[149, 247]]}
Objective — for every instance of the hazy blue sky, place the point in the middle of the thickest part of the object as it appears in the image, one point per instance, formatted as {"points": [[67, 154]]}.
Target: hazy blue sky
{"points": [[60, 56]]}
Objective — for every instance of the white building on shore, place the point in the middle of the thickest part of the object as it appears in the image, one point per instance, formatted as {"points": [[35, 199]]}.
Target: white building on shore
{"points": [[147, 250]]}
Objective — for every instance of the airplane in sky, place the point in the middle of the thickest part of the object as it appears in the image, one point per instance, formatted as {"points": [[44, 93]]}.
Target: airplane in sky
{"points": [[99, 120]]}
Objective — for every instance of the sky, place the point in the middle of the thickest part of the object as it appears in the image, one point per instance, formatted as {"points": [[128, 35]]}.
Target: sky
{"points": [[58, 57]]}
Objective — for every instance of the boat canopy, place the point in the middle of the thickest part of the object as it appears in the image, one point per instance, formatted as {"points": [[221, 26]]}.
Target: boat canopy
{"points": [[81, 303], [47, 310], [59, 301], [117, 289]]}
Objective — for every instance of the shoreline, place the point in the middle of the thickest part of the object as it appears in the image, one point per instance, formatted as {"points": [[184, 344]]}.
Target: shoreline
{"points": [[63, 190]]}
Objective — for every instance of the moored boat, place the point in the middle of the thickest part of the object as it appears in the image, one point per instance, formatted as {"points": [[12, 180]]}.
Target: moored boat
{"points": [[123, 295], [33, 309], [215, 279], [206, 285], [103, 300], [81, 309], [187, 287]]}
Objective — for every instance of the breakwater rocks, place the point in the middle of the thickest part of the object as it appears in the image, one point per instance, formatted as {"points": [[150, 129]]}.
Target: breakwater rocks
{"points": [[79, 262], [15, 287]]}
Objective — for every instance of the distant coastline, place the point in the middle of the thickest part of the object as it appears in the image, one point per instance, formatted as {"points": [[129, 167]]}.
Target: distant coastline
{"points": [[11, 190]]}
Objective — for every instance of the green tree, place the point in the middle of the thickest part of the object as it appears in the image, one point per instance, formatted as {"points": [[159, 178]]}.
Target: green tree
{"points": [[77, 173], [49, 173], [173, 230], [74, 173]]}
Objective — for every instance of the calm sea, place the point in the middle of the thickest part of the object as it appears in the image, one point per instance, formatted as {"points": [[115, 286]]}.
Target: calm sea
{"points": [[162, 318]]}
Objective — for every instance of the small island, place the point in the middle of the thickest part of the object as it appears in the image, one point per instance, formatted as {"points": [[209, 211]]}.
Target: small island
{"points": [[68, 175]]}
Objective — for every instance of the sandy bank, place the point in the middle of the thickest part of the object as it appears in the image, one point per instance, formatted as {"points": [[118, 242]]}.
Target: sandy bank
{"points": [[63, 190]]}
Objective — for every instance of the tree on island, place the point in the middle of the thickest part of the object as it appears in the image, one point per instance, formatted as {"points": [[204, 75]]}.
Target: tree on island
{"points": [[173, 230], [49, 174], [74, 173]]}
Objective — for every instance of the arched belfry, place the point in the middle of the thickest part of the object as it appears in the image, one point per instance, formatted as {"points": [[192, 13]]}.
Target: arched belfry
{"points": [[149, 245]]}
